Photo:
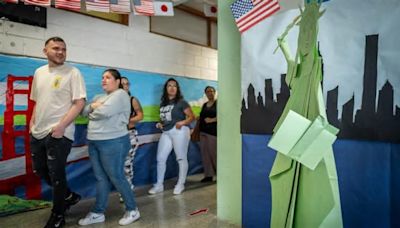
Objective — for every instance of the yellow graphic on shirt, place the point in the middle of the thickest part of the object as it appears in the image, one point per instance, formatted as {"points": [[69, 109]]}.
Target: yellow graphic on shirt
{"points": [[57, 82]]}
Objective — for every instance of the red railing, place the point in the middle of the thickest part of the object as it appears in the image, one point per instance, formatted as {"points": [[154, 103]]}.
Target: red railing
{"points": [[29, 180]]}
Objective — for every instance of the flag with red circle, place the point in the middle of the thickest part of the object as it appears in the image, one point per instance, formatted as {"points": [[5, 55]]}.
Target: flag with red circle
{"points": [[163, 9], [210, 10]]}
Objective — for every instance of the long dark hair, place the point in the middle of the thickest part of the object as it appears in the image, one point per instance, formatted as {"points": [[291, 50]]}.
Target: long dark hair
{"points": [[164, 98], [117, 76]]}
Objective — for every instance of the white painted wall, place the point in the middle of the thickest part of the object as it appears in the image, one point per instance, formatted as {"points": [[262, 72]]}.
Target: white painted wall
{"points": [[99, 42]]}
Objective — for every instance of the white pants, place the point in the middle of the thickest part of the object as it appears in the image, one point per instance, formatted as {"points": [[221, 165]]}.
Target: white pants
{"points": [[177, 139]]}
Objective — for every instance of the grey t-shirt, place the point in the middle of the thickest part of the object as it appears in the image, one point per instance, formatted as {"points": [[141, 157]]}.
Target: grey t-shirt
{"points": [[172, 113]]}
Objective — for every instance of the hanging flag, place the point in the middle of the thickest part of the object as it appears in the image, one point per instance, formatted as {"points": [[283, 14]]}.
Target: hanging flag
{"points": [[11, 1], [74, 5], [210, 10], [248, 13], [120, 6], [98, 5], [136, 2], [146, 8], [163, 9], [38, 2]]}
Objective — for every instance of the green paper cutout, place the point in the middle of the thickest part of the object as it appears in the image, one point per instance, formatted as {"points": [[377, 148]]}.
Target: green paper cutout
{"points": [[302, 140], [303, 178]]}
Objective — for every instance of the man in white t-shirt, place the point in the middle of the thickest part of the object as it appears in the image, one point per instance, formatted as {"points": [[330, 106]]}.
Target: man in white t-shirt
{"points": [[59, 93]]}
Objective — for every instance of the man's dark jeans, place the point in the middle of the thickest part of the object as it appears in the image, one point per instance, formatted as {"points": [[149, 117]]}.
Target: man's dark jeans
{"points": [[49, 156]]}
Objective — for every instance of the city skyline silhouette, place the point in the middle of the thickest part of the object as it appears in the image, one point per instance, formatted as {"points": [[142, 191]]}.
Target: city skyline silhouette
{"points": [[375, 120]]}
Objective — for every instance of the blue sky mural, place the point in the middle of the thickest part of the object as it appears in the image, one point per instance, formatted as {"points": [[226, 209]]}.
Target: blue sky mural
{"points": [[146, 86]]}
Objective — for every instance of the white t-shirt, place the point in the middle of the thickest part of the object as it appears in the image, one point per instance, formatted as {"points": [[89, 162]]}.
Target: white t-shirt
{"points": [[54, 90]]}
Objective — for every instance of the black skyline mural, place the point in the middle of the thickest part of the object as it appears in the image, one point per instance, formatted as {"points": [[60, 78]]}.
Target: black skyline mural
{"points": [[371, 122]]}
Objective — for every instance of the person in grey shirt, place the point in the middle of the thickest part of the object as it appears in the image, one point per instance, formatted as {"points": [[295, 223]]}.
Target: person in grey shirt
{"points": [[109, 143], [175, 116]]}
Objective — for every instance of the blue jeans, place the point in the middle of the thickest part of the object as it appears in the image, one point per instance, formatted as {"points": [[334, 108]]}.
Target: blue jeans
{"points": [[107, 158]]}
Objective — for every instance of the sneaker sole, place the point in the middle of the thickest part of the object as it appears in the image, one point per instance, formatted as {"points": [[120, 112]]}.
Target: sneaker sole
{"points": [[61, 224], [86, 224], [178, 193]]}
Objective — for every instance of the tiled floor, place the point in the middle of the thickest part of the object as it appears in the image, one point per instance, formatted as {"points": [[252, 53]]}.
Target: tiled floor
{"points": [[161, 210]]}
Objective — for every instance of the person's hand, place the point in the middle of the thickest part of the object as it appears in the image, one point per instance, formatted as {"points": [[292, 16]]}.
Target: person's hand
{"points": [[95, 105], [159, 126], [57, 132], [208, 120], [179, 125]]}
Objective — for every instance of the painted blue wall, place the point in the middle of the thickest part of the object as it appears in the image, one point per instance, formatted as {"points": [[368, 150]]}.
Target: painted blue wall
{"points": [[144, 85], [368, 174], [147, 87]]}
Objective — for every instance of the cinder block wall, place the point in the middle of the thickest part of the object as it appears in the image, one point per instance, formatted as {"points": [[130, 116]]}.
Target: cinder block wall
{"points": [[94, 41]]}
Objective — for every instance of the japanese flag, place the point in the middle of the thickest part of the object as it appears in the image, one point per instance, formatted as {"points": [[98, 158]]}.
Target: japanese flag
{"points": [[163, 9], [210, 10]]}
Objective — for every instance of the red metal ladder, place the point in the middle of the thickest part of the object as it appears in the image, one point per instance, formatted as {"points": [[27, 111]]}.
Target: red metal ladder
{"points": [[29, 179]]}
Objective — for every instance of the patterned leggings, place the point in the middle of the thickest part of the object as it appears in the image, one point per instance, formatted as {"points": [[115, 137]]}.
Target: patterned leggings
{"points": [[128, 166]]}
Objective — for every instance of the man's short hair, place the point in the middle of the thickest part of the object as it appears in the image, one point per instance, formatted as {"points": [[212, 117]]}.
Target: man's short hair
{"points": [[54, 39]]}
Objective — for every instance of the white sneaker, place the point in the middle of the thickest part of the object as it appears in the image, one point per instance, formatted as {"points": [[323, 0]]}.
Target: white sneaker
{"points": [[91, 218], [129, 217], [179, 189], [156, 189]]}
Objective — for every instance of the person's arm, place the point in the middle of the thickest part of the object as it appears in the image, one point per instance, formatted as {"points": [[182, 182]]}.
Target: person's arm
{"points": [[89, 107], [33, 97], [210, 120], [189, 118], [32, 121], [139, 113], [115, 104], [77, 106]]}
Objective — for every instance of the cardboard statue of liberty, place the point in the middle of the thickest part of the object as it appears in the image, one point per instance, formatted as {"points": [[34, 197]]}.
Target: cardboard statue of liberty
{"points": [[303, 178]]}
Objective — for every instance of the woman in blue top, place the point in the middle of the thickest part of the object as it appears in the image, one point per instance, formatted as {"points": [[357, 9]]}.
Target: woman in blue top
{"points": [[175, 116]]}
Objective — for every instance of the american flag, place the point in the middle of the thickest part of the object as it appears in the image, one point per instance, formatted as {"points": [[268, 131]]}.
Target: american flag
{"points": [[98, 5], [248, 13], [136, 2], [74, 5], [38, 2], [146, 8], [120, 6]]}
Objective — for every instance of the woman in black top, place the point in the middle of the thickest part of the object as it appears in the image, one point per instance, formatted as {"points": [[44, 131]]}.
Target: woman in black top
{"points": [[136, 115], [208, 135]]}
